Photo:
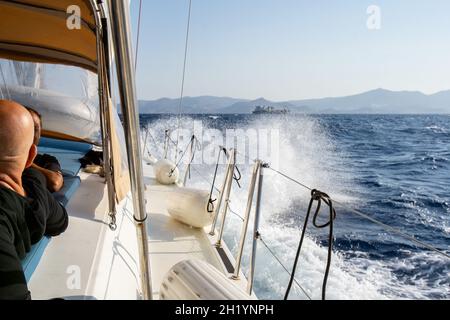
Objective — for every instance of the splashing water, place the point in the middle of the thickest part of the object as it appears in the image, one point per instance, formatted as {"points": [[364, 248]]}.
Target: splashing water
{"points": [[351, 158]]}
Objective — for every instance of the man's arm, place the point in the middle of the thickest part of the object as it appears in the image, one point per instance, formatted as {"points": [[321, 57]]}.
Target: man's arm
{"points": [[55, 180], [49, 217], [13, 285]]}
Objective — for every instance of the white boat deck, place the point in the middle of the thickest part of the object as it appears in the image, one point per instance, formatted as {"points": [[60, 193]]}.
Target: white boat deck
{"points": [[76, 247], [89, 261], [171, 241]]}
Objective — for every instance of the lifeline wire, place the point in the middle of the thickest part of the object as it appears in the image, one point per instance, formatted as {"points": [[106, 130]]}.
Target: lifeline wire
{"points": [[367, 217]]}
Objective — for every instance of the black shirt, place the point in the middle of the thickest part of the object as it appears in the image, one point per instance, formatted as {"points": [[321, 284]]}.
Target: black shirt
{"points": [[47, 216], [23, 222], [48, 162]]}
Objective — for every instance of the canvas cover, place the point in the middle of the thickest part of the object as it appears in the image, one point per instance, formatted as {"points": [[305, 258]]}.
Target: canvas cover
{"points": [[37, 31]]}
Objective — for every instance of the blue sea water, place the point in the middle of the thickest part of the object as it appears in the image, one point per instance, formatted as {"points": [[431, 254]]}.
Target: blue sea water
{"points": [[394, 168]]}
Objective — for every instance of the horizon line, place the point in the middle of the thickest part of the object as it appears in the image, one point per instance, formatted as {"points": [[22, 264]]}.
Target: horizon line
{"points": [[289, 100]]}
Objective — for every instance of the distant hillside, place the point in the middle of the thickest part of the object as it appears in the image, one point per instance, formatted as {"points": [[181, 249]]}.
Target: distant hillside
{"points": [[375, 101], [203, 104], [381, 101]]}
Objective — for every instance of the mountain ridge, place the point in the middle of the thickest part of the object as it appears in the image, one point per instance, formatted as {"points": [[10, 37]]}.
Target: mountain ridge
{"points": [[374, 101]]}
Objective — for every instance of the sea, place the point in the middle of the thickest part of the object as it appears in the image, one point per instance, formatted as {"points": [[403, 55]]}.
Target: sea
{"points": [[392, 168]]}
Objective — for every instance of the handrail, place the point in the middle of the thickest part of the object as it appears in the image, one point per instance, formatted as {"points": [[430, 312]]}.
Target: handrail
{"points": [[251, 191], [104, 94], [257, 176], [251, 275], [257, 235], [271, 251], [245, 219], [227, 192], [228, 175], [121, 27]]}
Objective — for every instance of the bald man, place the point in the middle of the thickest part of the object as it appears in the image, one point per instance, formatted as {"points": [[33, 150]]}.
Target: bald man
{"points": [[27, 211]]}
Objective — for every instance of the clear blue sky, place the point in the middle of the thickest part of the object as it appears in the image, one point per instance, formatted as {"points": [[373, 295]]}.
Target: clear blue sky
{"points": [[292, 49]]}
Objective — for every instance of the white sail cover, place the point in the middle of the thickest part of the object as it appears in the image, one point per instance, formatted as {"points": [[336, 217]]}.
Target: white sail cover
{"points": [[66, 97]]}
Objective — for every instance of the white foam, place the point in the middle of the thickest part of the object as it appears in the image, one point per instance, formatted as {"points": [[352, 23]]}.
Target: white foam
{"points": [[308, 154]]}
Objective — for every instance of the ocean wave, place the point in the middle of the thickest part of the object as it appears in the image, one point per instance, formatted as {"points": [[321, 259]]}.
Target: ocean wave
{"points": [[361, 171], [437, 129]]}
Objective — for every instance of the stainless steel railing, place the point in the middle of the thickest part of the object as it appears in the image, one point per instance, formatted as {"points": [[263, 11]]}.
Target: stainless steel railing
{"points": [[121, 27], [228, 177], [227, 192], [251, 192], [256, 183], [255, 228]]}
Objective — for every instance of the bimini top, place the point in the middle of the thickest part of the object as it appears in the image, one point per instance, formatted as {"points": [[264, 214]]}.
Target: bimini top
{"points": [[49, 62], [45, 31]]}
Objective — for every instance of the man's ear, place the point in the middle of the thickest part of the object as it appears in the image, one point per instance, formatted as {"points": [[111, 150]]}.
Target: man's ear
{"points": [[31, 156]]}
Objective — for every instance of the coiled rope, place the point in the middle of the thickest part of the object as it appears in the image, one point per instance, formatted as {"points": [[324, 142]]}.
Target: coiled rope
{"points": [[271, 251], [360, 213], [373, 220], [319, 197], [211, 209]]}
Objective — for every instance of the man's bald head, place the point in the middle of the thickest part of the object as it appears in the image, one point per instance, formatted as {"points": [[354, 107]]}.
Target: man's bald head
{"points": [[16, 135]]}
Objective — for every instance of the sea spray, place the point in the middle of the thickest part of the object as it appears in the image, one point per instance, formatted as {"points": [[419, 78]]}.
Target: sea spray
{"points": [[367, 263]]}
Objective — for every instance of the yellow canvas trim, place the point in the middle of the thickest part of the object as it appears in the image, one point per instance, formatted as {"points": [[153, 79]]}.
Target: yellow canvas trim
{"points": [[37, 31]]}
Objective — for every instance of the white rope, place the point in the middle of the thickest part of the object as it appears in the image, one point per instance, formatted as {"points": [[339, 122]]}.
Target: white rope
{"points": [[146, 146], [180, 106], [147, 132]]}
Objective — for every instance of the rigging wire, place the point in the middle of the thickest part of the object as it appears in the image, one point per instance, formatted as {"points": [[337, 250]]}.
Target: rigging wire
{"points": [[138, 36], [167, 139], [367, 217], [146, 145], [153, 139], [355, 211], [332, 213], [186, 47], [194, 145], [271, 251], [360, 213]]}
